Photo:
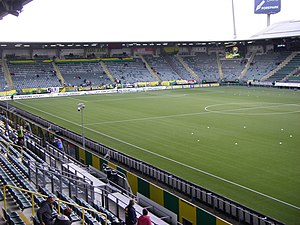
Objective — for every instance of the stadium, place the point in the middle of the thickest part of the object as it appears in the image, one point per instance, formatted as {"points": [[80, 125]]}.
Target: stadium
{"points": [[197, 132]]}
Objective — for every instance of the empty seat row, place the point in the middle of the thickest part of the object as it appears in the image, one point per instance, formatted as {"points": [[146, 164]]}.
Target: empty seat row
{"points": [[19, 165], [109, 215], [98, 217], [12, 218], [18, 195]]}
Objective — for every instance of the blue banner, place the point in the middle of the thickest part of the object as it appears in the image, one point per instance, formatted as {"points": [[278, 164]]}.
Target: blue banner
{"points": [[267, 6]]}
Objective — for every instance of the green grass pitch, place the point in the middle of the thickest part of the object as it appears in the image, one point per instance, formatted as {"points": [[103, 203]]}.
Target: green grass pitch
{"points": [[243, 143]]}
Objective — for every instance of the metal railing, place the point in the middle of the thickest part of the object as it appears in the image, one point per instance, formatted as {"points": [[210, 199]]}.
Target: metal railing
{"points": [[32, 194]]}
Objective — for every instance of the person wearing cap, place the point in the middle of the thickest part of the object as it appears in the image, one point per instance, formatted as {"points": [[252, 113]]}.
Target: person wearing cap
{"points": [[130, 214], [144, 219], [45, 212], [64, 219]]}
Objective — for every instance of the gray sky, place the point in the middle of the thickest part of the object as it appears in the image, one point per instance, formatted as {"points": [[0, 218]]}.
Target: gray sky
{"points": [[138, 20]]}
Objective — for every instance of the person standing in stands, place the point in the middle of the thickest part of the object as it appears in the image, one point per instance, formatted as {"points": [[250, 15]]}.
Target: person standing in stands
{"points": [[59, 144], [45, 212], [20, 136], [64, 219], [144, 219], [130, 214]]}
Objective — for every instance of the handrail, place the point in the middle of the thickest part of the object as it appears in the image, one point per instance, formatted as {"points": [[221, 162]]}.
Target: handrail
{"points": [[58, 200], [11, 143]]}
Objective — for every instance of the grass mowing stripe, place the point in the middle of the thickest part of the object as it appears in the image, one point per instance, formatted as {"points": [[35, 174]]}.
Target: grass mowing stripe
{"points": [[151, 96], [172, 160], [148, 118], [193, 114], [225, 111]]}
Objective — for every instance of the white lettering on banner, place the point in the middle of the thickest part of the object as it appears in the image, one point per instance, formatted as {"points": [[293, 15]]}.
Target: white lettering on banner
{"points": [[64, 94], [270, 7], [279, 84]]}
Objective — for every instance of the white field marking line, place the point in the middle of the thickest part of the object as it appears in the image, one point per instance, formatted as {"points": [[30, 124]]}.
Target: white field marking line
{"points": [[149, 118], [199, 113], [152, 96], [123, 99], [172, 160], [251, 108], [145, 97], [80, 100]]}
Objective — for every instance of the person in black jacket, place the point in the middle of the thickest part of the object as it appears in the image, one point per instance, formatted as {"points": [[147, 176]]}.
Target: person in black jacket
{"points": [[130, 214], [45, 212], [64, 219]]}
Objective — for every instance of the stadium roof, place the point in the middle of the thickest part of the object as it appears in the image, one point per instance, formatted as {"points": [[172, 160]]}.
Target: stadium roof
{"points": [[280, 30], [13, 7]]}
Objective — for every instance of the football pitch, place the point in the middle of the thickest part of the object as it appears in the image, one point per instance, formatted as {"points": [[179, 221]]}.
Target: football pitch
{"points": [[242, 143]]}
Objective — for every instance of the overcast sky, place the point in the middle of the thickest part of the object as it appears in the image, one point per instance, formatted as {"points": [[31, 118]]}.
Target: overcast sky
{"points": [[138, 20]]}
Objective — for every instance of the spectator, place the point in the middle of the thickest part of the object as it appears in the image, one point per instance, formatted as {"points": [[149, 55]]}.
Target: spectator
{"points": [[20, 136], [144, 219], [45, 212], [59, 144], [64, 219], [130, 214]]}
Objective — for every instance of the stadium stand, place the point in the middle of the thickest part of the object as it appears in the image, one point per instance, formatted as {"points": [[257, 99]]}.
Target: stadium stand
{"points": [[83, 74], [130, 71], [262, 65], [33, 75], [295, 78], [3, 83], [200, 67], [178, 67], [288, 69], [162, 68], [204, 65], [232, 69], [33, 171], [6, 177], [21, 199], [12, 218]]}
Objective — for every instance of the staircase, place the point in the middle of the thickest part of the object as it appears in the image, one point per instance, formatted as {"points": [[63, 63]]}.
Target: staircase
{"points": [[243, 73], [219, 66], [295, 75], [279, 67], [7, 75], [291, 68], [186, 66], [169, 60], [58, 73], [107, 72], [150, 69]]}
